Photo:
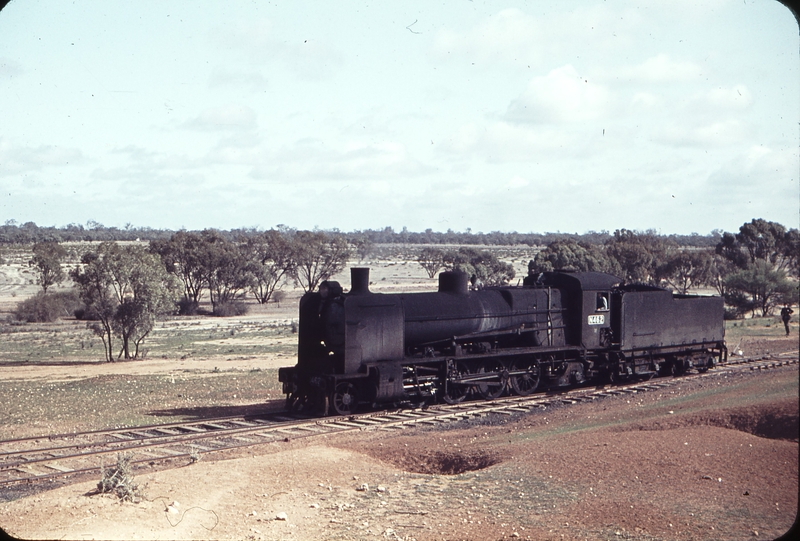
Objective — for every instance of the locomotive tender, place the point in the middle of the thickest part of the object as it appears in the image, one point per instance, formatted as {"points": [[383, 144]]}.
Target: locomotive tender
{"points": [[557, 329]]}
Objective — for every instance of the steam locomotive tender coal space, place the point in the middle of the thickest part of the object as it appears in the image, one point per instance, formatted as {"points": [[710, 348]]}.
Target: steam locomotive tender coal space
{"points": [[557, 329]]}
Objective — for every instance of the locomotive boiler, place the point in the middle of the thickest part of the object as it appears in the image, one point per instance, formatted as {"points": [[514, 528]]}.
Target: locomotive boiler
{"points": [[556, 329]]}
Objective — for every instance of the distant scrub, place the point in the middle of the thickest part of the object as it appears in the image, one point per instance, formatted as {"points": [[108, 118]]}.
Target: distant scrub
{"points": [[188, 307], [228, 309], [48, 307]]}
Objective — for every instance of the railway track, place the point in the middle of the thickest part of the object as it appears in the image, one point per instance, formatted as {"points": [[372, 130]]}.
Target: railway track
{"points": [[62, 457]]}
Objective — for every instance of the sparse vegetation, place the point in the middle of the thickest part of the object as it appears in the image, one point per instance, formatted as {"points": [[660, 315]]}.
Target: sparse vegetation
{"points": [[118, 480], [125, 289], [48, 307], [47, 257]]}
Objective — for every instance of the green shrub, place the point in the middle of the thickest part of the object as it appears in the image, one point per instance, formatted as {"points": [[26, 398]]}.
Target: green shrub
{"points": [[48, 307], [228, 309], [188, 307]]}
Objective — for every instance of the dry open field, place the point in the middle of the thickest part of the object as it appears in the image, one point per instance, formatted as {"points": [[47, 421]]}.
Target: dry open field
{"points": [[716, 459]]}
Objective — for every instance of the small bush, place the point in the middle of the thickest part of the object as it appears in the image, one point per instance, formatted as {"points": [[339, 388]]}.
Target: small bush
{"points": [[188, 307], [82, 314], [228, 309], [119, 480], [48, 307], [731, 314]]}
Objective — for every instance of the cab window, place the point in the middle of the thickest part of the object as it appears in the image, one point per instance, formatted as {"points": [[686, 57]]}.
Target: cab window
{"points": [[602, 302]]}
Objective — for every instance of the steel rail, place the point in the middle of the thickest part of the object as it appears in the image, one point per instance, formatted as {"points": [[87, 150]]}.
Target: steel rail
{"points": [[284, 426]]}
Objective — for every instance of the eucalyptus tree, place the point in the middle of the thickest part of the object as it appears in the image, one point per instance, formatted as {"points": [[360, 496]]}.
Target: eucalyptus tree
{"points": [[758, 259], [687, 269], [759, 287], [570, 254], [639, 254], [270, 260], [482, 266], [47, 258], [125, 289], [432, 260], [180, 255], [317, 256], [224, 268]]}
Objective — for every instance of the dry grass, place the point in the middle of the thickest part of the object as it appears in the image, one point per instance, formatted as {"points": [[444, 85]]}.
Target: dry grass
{"points": [[118, 480]]}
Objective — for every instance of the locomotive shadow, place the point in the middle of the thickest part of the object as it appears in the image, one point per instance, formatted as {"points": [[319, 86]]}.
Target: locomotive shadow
{"points": [[204, 412]]}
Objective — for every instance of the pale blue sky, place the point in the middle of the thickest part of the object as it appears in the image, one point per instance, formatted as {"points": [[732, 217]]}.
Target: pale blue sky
{"points": [[676, 115]]}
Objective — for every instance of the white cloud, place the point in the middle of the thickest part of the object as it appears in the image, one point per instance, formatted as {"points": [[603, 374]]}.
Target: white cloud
{"points": [[222, 76], [760, 182], [229, 118], [261, 44], [313, 159], [646, 101], [659, 69], [516, 182], [714, 134], [512, 36], [503, 141], [508, 36], [9, 68], [16, 159], [736, 98], [562, 95]]}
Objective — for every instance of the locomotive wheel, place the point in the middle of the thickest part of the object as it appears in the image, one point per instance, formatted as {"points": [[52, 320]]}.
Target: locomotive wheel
{"points": [[297, 401], [455, 392], [494, 387], [709, 364], [524, 384], [344, 398], [291, 399]]}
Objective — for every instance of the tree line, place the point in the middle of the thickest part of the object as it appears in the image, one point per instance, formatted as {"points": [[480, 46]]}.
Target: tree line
{"points": [[121, 289], [29, 233], [752, 269]]}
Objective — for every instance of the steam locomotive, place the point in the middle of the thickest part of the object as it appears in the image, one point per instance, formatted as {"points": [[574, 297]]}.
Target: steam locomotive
{"points": [[557, 329]]}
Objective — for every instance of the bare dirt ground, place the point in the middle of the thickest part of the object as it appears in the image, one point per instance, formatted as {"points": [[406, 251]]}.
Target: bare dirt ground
{"points": [[716, 459], [709, 459]]}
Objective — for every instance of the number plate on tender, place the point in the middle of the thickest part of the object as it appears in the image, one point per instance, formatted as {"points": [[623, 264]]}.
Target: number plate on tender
{"points": [[597, 319]]}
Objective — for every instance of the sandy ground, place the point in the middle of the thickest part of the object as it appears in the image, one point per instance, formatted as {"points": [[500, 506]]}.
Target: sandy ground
{"points": [[692, 461], [715, 459]]}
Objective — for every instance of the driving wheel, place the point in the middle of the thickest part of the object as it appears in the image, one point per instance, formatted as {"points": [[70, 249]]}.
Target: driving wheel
{"points": [[344, 398], [455, 392], [524, 377], [494, 383]]}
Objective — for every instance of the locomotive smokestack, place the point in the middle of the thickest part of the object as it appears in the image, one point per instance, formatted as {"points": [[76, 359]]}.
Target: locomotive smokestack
{"points": [[453, 282], [359, 280]]}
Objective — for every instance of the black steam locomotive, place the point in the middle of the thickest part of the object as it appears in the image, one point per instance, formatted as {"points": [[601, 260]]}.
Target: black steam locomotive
{"points": [[557, 329]]}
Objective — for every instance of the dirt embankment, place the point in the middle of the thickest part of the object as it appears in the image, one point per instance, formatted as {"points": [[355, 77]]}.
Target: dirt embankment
{"points": [[709, 459]]}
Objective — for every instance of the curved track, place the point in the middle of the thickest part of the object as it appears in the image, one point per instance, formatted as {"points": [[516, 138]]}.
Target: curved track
{"points": [[68, 456]]}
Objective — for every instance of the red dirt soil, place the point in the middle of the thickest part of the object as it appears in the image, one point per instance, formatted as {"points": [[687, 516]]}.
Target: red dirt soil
{"points": [[710, 459]]}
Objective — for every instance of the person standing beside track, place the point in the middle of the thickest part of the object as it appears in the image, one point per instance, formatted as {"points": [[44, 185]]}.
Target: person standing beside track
{"points": [[786, 315]]}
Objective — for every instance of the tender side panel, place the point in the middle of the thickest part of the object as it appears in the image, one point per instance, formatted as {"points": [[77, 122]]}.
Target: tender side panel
{"points": [[658, 319]]}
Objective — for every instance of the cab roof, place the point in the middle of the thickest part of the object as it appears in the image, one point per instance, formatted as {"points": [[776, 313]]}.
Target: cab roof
{"points": [[592, 281]]}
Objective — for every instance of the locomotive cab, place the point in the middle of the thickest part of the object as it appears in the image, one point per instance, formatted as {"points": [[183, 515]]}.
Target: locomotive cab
{"points": [[590, 306]]}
